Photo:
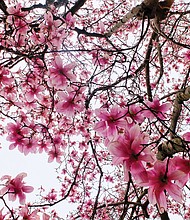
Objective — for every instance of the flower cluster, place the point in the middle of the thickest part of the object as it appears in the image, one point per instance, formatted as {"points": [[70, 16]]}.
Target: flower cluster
{"points": [[129, 147]]}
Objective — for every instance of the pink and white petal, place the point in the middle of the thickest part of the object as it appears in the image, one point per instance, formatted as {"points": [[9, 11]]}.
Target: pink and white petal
{"points": [[134, 132], [58, 62], [22, 198], [175, 192], [165, 107], [177, 175], [117, 160], [27, 189], [12, 197], [161, 201], [102, 114], [151, 196], [139, 173], [29, 96], [100, 126], [118, 149], [147, 158]]}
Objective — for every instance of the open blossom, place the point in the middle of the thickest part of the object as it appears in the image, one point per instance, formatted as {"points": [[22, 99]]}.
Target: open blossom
{"points": [[70, 20], [16, 187], [27, 214], [55, 153], [187, 56], [69, 104], [156, 109], [110, 121], [16, 134], [161, 179], [16, 10], [33, 92], [5, 79], [128, 151], [59, 74]]}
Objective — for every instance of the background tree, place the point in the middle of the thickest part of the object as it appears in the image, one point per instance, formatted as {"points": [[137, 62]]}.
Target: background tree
{"points": [[102, 87]]}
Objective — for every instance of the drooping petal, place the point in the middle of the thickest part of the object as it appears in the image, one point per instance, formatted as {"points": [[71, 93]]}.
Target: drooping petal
{"points": [[151, 195], [161, 201]]}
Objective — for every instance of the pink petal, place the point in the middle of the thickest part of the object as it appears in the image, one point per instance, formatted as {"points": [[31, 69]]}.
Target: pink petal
{"points": [[175, 192], [100, 126], [118, 149], [161, 201], [27, 189]]}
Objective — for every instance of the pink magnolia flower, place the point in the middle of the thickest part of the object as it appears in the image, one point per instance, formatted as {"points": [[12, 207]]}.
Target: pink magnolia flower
{"points": [[50, 21], [52, 196], [16, 134], [128, 150], [187, 56], [70, 21], [110, 121], [16, 187], [16, 10], [51, 24], [161, 179], [69, 104], [5, 79], [55, 153], [59, 75], [27, 214], [98, 59], [28, 146], [156, 109]]}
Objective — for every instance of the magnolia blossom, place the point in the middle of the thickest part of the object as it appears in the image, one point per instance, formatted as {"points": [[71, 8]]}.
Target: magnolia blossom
{"points": [[16, 135], [59, 75], [16, 10], [110, 121], [16, 187], [161, 179], [26, 214], [55, 153], [156, 109], [128, 150], [70, 21], [69, 104], [187, 56]]}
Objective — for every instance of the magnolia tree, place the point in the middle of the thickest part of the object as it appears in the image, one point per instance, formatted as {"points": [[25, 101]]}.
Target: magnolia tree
{"points": [[102, 88]]}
